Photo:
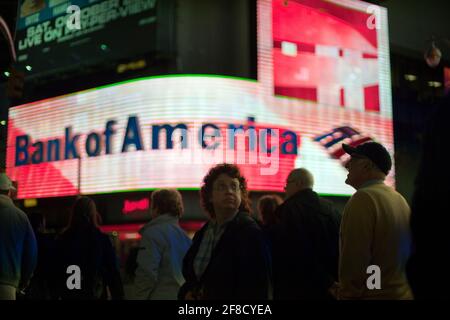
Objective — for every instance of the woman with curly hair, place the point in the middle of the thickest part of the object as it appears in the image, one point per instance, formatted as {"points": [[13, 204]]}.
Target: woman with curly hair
{"points": [[229, 258]]}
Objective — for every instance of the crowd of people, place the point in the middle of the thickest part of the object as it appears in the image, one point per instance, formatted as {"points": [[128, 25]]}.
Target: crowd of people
{"points": [[299, 248]]}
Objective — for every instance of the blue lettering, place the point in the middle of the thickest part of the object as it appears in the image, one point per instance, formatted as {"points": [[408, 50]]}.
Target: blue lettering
{"points": [[169, 132], [93, 138], [109, 131], [263, 143], [132, 135], [292, 143], [70, 149], [22, 150], [233, 130], [252, 133], [38, 153], [53, 150]]}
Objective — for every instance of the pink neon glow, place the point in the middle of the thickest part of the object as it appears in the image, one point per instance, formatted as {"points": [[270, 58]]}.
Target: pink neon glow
{"points": [[190, 225], [131, 206]]}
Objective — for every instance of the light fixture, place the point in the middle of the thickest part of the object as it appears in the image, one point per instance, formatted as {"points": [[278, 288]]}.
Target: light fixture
{"points": [[29, 68], [410, 77], [434, 84], [29, 203], [6, 73], [133, 65], [433, 55], [3, 122]]}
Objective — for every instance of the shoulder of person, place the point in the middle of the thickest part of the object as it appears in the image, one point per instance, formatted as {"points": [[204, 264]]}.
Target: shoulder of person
{"points": [[153, 233], [198, 235], [325, 202], [21, 214], [362, 194], [287, 206], [245, 219], [329, 207], [6, 204], [246, 232], [361, 197], [245, 223], [151, 228], [300, 198], [202, 230]]}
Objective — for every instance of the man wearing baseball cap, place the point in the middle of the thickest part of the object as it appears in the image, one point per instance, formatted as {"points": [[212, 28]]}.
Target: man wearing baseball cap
{"points": [[375, 234], [18, 248]]}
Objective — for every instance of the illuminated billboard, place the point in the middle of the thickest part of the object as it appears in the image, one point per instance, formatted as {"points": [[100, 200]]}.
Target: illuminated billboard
{"points": [[55, 35], [167, 131], [325, 53]]}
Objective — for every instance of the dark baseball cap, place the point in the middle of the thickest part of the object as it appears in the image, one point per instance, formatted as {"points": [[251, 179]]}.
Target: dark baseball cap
{"points": [[374, 151]]}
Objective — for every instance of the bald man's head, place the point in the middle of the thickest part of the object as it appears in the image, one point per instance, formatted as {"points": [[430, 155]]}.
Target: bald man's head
{"points": [[298, 179]]}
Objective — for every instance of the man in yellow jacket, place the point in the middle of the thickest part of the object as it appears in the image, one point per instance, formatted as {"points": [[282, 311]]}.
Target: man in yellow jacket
{"points": [[375, 234]]}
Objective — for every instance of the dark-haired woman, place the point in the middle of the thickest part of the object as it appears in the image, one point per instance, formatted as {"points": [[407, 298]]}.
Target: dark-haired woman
{"points": [[229, 258], [84, 246], [267, 207]]}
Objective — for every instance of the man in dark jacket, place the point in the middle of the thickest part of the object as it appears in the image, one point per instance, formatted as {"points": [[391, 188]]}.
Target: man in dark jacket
{"points": [[305, 242]]}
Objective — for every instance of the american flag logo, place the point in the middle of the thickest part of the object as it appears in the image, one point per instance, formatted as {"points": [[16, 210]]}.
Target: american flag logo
{"points": [[332, 141]]}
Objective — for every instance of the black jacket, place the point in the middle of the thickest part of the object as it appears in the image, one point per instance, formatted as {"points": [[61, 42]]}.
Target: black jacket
{"points": [[92, 251], [305, 247], [240, 266]]}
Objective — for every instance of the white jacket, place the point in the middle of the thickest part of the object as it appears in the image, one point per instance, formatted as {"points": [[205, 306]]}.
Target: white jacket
{"points": [[160, 259]]}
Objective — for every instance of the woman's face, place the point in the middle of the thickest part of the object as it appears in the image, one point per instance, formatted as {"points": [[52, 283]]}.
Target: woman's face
{"points": [[226, 195]]}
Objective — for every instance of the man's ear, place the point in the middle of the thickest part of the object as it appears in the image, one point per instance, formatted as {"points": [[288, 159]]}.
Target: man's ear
{"points": [[366, 165], [370, 165], [299, 184]]}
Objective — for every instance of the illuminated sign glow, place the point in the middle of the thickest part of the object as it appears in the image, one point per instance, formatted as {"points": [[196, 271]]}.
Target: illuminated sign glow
{"points": [[57, 34], [312, 95], [131, 206], [28, 152]]}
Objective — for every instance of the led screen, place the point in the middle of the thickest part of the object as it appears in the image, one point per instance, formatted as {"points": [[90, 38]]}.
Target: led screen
{"points": [[167, 131], [55, 35]]}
